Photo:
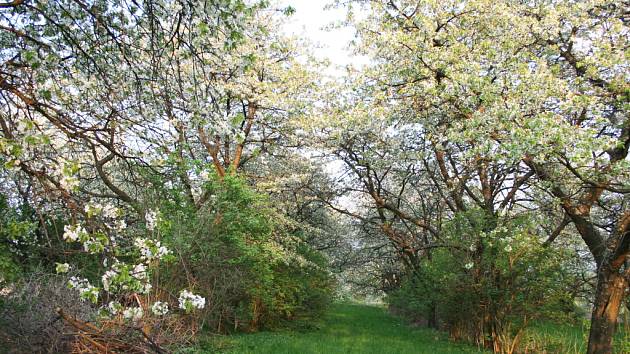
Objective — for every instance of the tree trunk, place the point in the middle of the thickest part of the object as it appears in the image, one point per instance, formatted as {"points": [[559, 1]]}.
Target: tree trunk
{"points": [[611, 290]]}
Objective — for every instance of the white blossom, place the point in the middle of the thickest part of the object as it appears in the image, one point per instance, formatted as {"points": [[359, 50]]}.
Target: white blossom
{"points": [[159, 308], [107, 210], [150, 250], [133, 313], [69, 183], [106, 279], [73, 232], [120, 225], [146, 288], [74, 282], [85, 289], [162, 250], [110, 211], [189, 301], [469, 265], [145, 250], [140, 271], [91, 208], [152, 218], [87, 245]]}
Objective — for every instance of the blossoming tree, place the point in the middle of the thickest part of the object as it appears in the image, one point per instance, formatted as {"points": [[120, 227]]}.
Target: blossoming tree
{"points": [[506, 102]]}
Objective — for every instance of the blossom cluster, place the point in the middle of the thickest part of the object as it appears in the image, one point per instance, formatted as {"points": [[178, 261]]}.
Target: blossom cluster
{"points": [[92, 243], [204, 175], [109, 213], [73, 233], [67, 175], [86, 290], [189, 301], [133, 313], [151, 249], [152, 219], [159, 308], [114, 307], [106, 210], [69, 182], [124, 277]]}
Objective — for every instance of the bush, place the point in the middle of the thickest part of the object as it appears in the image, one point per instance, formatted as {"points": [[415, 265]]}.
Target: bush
{"points": [[251, 263], [492, 280], [28, 318]]}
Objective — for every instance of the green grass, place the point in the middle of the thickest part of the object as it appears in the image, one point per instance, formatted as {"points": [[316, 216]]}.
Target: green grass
{"points": [[348, 328], [555, 338], [548, 337], [364, 329]]}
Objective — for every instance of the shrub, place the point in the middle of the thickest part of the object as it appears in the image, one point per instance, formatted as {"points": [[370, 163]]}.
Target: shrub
{"points": [[493, 279], [28, 318], [250, 262]]}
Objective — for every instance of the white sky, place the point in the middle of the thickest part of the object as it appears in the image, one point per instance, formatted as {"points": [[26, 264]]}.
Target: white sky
{"points": [[310, 21]]}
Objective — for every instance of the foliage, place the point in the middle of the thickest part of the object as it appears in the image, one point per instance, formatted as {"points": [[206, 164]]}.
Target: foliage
{"points": [[12, 231], [489, 283], [238, 250]]}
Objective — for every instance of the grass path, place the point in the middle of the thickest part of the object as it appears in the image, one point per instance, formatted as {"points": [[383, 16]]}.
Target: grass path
{"points": [[346, 329]]}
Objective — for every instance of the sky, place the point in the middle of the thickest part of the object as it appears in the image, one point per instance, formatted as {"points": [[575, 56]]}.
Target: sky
{"points": [[310, 21]]}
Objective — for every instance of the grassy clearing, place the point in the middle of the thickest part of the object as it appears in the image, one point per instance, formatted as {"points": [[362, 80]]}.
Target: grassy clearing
{"points": [[346, 329], [353, 328]]}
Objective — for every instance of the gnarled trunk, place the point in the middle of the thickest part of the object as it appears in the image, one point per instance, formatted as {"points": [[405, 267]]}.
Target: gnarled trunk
{"points": [[611, 292]]}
